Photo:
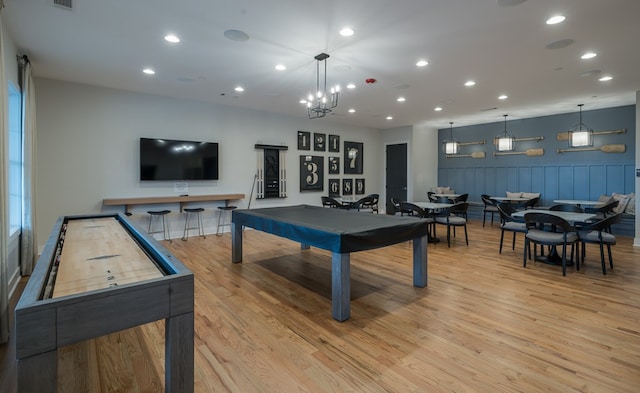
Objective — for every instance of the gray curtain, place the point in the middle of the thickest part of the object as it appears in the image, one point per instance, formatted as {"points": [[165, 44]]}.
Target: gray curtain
{"points": [[4, 203], [29, 245]]}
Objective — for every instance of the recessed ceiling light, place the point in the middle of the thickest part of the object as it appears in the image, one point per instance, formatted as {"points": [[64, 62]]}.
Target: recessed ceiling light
{"points": [[589, 55], [437, 108], [469, 83], [389, 117], [303, 101], [352, 110], [422, 63], [172, 38], [503, 97], [605, 78], [149, 71], [347, 32], [239, 89], [281, 67], [401, 99], [236, 35], [351, 86], [555, 19]]}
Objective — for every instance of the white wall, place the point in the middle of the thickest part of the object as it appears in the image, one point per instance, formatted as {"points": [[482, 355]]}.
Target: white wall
{"points": [[87, 150], [425, 160]]}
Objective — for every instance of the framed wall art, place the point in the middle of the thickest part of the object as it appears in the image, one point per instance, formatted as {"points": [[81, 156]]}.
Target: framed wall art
{"points": [[304, 140], [359, 186], [353, 158], [334, 143], [319, 141], [311, 173], [334, 165], [334, 187], [347, 186]]}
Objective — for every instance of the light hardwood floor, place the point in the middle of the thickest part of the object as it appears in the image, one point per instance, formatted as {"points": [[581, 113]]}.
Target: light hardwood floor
{"points": [[483, 324]]}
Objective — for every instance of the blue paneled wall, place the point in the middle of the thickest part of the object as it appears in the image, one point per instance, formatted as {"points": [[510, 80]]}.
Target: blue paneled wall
{"points": [[572, 175]]}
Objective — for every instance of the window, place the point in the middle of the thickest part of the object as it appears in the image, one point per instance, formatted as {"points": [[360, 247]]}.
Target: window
{"points": [[15, 160]]}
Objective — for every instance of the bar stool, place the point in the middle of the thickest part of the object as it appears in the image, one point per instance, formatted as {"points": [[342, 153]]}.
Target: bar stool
{"points": [[160, 214], [189, 213], [223, 211]]}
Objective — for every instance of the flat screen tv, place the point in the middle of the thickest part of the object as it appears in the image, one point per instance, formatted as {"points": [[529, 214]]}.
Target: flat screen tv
{"points": [[166, 159]]}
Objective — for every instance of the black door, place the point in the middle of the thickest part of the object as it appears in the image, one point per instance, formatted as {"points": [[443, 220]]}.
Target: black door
{"points": [[396, 173]]}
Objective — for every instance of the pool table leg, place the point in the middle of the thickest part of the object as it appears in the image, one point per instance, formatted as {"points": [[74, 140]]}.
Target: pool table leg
{"points": [[236, 242], [340, 286], [420, 262]]}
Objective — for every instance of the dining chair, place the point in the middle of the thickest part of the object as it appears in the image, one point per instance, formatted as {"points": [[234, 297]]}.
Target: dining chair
{"points": [[454, 216], [510, 224], [490, 206], [364, 204], [410, 209], [373, 204], [564, 235], [328, 201], [431, 196], [597, 233], [392, 207]]}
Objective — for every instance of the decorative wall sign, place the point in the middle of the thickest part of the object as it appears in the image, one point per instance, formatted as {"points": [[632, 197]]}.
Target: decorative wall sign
{"points": [[319, 141], [311, 173], [334, 143], [334, 187], [353, 152], [271, 176], [304, 140], [347, 186], [359, 186], [334, 165]]}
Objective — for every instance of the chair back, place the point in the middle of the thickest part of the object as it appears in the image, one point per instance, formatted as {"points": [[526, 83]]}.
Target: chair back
{"points": [[486, 199], [330, 202], [410, 209], [375, 198], [431, 196], [539, 220], [566, 208], [506, 210], [532, 203], [604, 224], [604, 210], [392, 208], [461, 198], [459, 209], [364, 203]]}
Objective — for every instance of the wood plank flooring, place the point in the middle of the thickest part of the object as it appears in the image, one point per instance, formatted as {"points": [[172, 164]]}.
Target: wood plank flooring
{"points": [[483, 324]]}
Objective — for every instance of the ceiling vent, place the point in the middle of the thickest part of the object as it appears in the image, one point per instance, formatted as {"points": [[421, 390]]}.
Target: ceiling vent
{"points": [[66, 4]]}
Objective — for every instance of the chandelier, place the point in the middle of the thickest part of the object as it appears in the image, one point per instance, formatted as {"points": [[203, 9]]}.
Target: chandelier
{"points": [[580, 135], [450, 146], [505, 142], [323, 101]]}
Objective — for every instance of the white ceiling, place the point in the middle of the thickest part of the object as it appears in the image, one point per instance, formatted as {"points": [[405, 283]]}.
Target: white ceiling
{"points": [[502, 48]]}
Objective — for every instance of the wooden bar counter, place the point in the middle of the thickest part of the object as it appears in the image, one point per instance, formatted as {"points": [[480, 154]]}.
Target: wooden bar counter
{"points": [[98, 275], [182, 200]]}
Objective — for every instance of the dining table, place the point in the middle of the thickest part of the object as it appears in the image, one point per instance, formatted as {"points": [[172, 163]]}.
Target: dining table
{"points": [[578, 202], [572, 218], [509, 199]]}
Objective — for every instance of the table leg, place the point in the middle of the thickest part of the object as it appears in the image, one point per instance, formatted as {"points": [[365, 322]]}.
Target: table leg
{"points": [[340, 286], [38, 373], [178, 358], [236, 242], [420, 262]]}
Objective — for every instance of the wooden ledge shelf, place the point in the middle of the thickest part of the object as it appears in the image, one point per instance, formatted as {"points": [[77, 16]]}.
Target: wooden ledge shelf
{"points": [[128, 202]]}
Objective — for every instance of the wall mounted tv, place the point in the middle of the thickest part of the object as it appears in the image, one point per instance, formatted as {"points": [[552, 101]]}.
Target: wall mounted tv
{"points": [[166, 159]]}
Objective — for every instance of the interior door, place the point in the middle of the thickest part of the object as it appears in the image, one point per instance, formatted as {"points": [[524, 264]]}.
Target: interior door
{"points": [[396, 172]]}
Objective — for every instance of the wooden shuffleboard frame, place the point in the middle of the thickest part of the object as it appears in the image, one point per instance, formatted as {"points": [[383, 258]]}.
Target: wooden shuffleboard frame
{"points": [[42, 325]]}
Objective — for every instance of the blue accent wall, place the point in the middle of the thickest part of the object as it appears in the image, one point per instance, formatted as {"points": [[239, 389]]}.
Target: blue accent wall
{"points": [[572, 175]]}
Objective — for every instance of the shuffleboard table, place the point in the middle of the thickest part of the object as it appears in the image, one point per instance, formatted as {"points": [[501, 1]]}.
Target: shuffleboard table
{"points": [[339, 231], [98, 275]]}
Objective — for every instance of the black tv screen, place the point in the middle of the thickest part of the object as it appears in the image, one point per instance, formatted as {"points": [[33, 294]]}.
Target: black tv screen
{"points": [[166, 159]]}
